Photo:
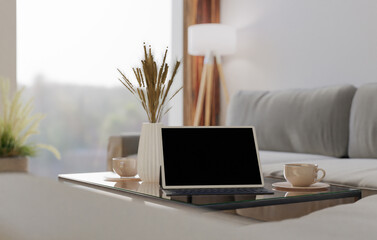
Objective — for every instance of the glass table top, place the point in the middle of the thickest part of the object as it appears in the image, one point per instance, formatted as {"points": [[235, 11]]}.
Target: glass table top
{"points": [[107, 180]]}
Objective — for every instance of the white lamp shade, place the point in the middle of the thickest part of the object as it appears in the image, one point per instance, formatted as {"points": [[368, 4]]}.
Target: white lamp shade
{"points": [[219, 39]]}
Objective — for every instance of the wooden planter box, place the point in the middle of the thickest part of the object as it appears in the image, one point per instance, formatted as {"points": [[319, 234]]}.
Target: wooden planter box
{"points": [[14, 164]]}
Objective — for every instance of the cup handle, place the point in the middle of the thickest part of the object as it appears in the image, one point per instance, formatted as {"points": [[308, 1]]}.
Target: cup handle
{"points": [[323, 175]]}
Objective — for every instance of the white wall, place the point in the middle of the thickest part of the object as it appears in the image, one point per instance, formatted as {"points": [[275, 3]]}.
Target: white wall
{"points": [[8, 40], [176, 113], [300, 43]]}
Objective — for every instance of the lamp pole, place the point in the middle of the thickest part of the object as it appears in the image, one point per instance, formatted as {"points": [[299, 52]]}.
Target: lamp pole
{"points": [[212, 41]]}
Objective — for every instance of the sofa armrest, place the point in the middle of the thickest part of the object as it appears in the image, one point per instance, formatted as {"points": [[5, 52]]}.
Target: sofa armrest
{"points": [[121, 146]]}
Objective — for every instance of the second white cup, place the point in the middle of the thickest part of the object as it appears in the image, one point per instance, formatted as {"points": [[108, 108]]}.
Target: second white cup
{"points": [[125, 166], [302, 174]]}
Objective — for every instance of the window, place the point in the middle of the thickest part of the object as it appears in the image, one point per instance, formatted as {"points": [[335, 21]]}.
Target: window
{"points": [[67, 58]]}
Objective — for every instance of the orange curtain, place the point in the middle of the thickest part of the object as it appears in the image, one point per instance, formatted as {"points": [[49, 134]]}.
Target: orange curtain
{"points": [[195, 12]]}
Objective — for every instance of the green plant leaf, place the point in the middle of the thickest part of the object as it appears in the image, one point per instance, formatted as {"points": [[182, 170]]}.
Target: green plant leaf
{"points": [[17, 124]]}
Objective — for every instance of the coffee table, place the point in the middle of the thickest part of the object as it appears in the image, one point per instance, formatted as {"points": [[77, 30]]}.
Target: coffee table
{"points": [[152, 191]]}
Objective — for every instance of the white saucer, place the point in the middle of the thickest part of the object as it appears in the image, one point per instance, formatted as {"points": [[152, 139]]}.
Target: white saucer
{"points": [[288, 186], [115, 177]]}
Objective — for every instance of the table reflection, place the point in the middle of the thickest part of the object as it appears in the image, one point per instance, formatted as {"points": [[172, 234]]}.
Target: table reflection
{"points": [[131, 185], [300, 193]]}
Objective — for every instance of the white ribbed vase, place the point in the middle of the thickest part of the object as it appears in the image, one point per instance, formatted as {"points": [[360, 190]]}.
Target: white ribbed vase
{"points": [[149, 153]]}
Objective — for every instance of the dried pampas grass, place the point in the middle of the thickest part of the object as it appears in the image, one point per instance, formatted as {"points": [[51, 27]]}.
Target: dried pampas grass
{"points": [[153, 87]]}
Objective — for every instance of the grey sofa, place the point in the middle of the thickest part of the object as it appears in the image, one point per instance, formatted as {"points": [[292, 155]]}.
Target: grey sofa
{"points": [[335, 127]]}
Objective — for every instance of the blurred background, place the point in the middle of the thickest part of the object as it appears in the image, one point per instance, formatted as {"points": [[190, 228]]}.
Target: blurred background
{"points": [[68, 53]]}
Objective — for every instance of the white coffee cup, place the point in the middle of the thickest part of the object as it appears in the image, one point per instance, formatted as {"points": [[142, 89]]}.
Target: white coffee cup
{"points": [[125, 166], [302, 174]]}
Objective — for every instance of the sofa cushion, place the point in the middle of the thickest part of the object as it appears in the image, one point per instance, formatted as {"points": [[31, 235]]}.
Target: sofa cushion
{"points": [[363, 123], [267, 157], [312, 121]]}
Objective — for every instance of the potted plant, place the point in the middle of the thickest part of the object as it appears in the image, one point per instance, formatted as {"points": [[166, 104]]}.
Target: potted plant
{"points": [[152, 90], [17, 124]]}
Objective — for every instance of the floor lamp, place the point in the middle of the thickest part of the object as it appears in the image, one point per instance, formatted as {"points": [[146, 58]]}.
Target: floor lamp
{"points": [[211, 41]]}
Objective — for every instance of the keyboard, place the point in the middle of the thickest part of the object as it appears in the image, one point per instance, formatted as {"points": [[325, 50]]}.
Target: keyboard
{"points": [[217, 191]]}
